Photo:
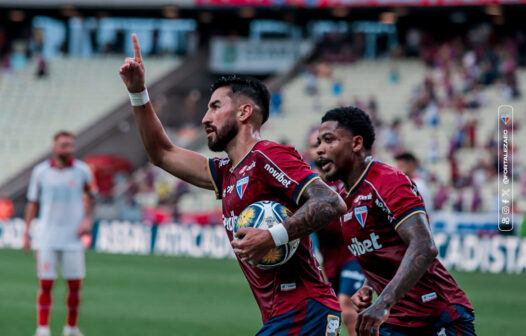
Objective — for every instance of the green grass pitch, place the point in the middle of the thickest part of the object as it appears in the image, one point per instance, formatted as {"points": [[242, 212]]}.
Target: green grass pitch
{"points": [[154, 295]]}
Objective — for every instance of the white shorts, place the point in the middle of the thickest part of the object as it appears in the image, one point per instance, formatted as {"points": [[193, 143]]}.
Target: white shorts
{"points": [[71, 263]]}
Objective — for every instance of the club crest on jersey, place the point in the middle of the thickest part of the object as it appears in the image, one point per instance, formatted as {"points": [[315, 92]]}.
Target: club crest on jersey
{"points": [[241, 186], [361, 214]]}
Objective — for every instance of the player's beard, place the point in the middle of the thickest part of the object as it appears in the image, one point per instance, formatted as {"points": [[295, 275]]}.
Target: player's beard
{"points": [[223, 136]]}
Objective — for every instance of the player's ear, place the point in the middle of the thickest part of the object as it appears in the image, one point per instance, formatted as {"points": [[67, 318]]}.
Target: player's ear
{"points": [[245, 112], [357, 143]]}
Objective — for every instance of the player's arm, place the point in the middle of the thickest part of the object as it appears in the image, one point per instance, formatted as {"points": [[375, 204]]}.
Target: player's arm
{"points": [[29, 216], [187, 165], [87, 222], [320, 205], [420, 253]]}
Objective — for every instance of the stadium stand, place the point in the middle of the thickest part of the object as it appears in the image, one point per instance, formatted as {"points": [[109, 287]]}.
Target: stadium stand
{"points": [[74, 94], [453, 135]]}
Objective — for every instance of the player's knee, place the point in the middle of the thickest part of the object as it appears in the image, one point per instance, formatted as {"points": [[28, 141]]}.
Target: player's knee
{"points": [[74, 285], [46, 285]]}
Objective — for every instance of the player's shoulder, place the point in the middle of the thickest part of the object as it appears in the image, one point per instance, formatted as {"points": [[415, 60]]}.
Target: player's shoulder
{"points": [[383, 176], [273, 150], [79, 164], [41, 167]]}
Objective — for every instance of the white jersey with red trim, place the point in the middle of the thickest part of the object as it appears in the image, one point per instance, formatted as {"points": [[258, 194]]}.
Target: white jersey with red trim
{"points": [[59, 192]]}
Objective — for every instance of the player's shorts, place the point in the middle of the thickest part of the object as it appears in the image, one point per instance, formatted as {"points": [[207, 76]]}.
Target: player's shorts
{"points": [[71, 264], [461, 325], [349, 280], [310, 318]]}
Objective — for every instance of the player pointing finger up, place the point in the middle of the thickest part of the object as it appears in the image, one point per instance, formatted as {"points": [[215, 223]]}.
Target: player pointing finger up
{"points": [[132, 71]]}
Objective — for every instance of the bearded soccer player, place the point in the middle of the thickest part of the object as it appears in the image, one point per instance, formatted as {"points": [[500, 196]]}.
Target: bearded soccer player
{"points": [[387, 229], [60, 193], [294, 299], [340, 266]]}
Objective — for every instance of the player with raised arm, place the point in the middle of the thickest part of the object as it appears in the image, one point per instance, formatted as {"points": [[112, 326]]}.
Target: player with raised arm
{"points": [[387, 229], [293, 299], [60, 194]]}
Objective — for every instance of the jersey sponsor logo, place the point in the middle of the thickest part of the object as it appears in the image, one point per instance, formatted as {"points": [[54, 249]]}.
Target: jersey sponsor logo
{"points": [[278, 175], [333, 325], [247, 167], [429, 297], [241, 186], [230, 222], [362, 247], [288, 287], [360, 213], [228, 190], [223, 162], [363, 198], [347, 217], [384, 208]]}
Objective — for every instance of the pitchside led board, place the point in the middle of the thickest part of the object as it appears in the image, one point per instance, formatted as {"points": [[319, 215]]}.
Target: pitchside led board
{"points": [[459, 247]]}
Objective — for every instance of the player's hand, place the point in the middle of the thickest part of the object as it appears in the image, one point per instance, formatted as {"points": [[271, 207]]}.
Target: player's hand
{"points": [[27, 242], [132, 71], [363, 298], [85, 227], [252, 244], [370, 319]]}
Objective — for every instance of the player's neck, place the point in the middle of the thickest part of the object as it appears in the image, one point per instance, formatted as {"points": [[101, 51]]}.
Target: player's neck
{"points": [[60, 162], [239, 147], [358, 167]]}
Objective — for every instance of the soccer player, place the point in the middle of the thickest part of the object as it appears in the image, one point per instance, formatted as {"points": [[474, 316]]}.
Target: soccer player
{"points": [[59, 192], [294, 299], [340, 266], [386, 228], [408, 164]]}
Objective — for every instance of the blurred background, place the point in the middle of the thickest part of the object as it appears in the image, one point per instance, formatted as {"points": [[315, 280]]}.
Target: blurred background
{"points": [[431, 75]]}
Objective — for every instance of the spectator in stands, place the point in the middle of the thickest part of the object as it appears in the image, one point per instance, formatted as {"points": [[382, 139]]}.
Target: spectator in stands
{"points": [[441, 197], [276, 100], [42, 69], [409, 165], [393, 139]]}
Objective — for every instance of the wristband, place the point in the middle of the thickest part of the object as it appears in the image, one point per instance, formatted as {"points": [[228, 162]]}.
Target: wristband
{"points": [[279, 234], [139, 98]]}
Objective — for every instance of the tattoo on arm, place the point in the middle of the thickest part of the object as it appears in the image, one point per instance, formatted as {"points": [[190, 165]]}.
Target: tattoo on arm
{"points": [[420, 253], [321, 205]]}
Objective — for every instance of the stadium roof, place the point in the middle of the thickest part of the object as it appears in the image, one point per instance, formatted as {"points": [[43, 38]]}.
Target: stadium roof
{"points": [[109, 4]]}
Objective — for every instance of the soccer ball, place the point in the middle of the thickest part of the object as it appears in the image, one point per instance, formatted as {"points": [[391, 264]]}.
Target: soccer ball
{"points": [[264, 215]]}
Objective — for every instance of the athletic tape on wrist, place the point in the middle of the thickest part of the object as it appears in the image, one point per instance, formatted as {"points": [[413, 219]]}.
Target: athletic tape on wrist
{"points": [[139, 98], [279, 234]]}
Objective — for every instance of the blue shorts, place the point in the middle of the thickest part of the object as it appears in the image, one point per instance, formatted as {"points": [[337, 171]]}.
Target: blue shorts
{"points": [[310, 318], [445, 326], [349, 280]]}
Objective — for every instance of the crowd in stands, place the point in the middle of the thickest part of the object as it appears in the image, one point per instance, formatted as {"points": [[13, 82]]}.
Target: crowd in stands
{"points": [[459, 71]]}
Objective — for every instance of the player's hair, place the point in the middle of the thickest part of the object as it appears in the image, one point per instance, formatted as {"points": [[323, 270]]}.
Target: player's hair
{"points": [[407, 157], [249, 87], [63, 133], [354, 120]]}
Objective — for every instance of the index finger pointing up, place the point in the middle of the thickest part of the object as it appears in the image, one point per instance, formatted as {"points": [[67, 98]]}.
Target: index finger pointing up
{"points": [[136, 48]]}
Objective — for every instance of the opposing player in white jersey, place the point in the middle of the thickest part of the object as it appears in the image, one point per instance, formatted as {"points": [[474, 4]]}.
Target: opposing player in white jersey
{"points": [[59, 192]]}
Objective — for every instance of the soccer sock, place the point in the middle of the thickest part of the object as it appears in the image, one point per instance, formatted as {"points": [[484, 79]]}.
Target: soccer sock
{"points": [[73, 302], [44, 302]]}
